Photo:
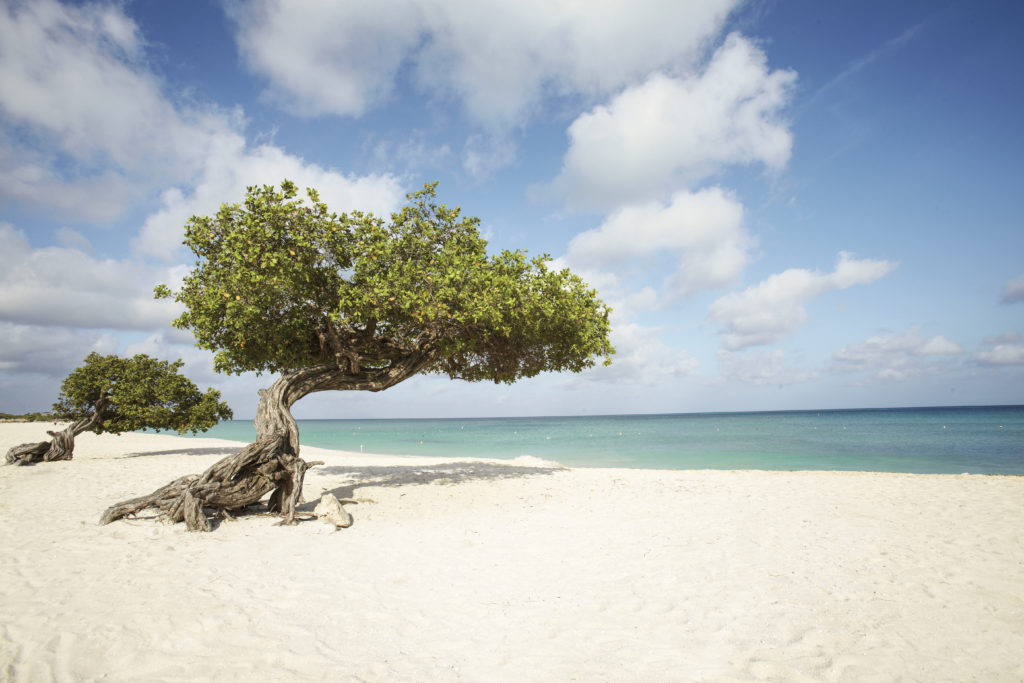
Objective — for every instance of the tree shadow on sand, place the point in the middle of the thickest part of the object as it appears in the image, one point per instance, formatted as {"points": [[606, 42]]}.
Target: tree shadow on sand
{"points": [[208, 450], [447, 474]]}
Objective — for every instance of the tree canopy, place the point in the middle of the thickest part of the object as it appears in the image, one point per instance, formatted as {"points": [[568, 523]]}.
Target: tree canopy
{"points": [[112, 394], [282, 284], [353, 301], [125, 394]]}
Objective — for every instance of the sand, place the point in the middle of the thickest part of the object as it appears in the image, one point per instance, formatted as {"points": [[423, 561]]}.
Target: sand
{"points": [[464, 570]]}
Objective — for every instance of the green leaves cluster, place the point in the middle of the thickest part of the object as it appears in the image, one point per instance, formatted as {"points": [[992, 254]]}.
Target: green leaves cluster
{"points": [[137, 393], [283, 283]]}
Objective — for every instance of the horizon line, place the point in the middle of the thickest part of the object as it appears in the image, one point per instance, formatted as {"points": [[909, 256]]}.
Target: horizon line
{"points": [[667, 414]]}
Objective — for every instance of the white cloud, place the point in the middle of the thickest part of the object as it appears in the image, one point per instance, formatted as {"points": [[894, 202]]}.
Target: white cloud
{"points": [[1014, 291], [1003, 354], [940, 346], [47, 350], [766, 312], [765, 367], [76, 83], [644, 300], [672, 132], [76, 78], [484, 154], [898, 356], [703, 229], [31, 176], [34, 360], [231, 167], [65, 287], [643, 358], [326, 58], [497, 57], [1007, 349]]}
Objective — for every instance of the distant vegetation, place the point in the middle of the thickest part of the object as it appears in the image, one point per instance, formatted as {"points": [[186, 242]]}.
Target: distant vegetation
{"points": [[112, 395], [27, 417]]}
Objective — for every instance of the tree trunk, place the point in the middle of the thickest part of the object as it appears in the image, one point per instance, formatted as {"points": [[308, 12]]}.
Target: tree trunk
{"points": [[61, 445], [271, 464]]}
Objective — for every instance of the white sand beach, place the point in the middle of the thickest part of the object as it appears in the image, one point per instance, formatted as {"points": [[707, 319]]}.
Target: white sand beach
{"points": [[459, 570]]}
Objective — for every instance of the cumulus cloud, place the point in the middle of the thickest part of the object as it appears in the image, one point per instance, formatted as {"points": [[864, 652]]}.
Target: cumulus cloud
{"points": [[703, 229], [765, 367], [1006, 349], [65, 287], [320, 58], [1003, 354], [48, 351], [497, 57], [643, 358], [76, 84], [1013, 293], [76, 79], [766, 312], [897, 356], [34, 360], [31, 176], [671, 132]]}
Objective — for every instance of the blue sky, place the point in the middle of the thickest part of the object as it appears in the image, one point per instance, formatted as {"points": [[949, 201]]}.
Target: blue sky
{"points": [[790, 205]]}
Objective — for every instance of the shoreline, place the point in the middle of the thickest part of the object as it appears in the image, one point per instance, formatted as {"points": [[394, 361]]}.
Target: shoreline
{"points": [[477, 569], [985, 442], [308, 453]]}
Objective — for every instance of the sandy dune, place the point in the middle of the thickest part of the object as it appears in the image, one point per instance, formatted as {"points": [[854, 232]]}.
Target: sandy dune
{"points": [[510, 571]]}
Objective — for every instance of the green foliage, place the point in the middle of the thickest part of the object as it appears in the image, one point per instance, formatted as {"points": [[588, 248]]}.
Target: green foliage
{"points": [[283, 284], [137, 393]]}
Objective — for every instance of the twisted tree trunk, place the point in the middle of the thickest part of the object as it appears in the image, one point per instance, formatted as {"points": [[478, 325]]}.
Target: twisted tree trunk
{"points": [[61, 445], [271, 464]]}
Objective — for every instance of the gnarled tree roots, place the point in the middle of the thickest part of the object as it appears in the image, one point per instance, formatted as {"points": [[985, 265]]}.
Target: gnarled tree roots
{"points": [[60, 447], [230, 484]]}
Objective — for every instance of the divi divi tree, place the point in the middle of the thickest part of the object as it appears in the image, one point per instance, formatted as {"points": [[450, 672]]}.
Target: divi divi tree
{"points": [[115, 395], [358, 302]]}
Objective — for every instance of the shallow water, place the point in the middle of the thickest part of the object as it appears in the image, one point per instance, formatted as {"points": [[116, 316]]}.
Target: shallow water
{"points": [[979, 440]]}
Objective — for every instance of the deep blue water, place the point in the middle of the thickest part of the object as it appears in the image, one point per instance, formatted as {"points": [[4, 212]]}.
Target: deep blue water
{"points": [[979, 440]]}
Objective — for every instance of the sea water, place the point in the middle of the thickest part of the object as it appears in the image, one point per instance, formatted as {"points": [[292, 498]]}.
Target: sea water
{"points": [[978, 440]]}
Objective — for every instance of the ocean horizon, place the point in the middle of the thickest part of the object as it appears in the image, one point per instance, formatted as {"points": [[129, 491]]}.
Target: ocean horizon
{"points": [[930, 440]]}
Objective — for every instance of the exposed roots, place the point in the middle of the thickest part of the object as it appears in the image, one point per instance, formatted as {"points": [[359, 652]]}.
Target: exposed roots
{"points": [[27, 453], [60, 447], [230, 484]]}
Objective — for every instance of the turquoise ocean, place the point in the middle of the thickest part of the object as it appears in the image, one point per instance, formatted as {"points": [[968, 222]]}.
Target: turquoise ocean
{"points": [[978, 440]]}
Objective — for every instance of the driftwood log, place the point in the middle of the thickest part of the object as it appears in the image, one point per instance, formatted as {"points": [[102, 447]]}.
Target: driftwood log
{"points": [[61, 445], [271, 464]]}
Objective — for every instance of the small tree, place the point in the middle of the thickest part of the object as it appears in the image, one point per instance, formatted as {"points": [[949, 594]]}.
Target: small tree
{"points": [[111, 394], [357, 302]]}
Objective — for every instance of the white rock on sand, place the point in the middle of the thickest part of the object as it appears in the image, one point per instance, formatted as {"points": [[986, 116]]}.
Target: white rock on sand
{"points": [[498, 571]]}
